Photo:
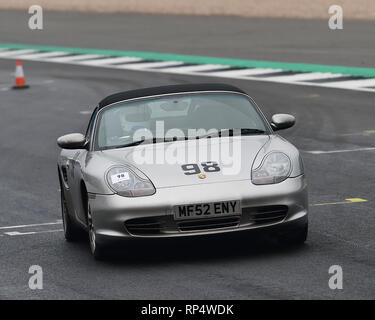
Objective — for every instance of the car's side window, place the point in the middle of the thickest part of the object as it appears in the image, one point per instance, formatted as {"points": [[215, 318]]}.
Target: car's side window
{"points": [[91, 124]]}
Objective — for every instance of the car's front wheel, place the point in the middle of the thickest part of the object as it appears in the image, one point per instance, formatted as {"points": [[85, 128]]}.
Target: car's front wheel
{"points": [[71, 230], [296, 236], [97, 249]]}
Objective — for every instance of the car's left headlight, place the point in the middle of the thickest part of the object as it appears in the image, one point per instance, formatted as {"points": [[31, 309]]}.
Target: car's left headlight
{"points": [[125, 182], [275, 168]]}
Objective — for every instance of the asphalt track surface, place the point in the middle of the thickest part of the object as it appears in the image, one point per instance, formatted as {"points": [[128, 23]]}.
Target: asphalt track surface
{"points": [[226, 267]]}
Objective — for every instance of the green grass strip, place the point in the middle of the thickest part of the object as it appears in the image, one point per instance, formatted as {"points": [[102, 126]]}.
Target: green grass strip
{"points": [[302, 67]]}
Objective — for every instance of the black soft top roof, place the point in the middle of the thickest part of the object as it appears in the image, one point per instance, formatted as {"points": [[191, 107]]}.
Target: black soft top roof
{"points": [[138, 93]]}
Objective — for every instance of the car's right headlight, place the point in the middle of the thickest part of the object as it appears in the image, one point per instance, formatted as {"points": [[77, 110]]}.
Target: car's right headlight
{"points": [[125, 182], [275, 167]]}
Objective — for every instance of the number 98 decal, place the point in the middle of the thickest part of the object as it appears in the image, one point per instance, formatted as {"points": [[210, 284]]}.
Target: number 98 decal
{"points": [[193, 168]]}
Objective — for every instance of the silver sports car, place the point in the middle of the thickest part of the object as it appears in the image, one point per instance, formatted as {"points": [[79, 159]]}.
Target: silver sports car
{"points": [[181, 160]]}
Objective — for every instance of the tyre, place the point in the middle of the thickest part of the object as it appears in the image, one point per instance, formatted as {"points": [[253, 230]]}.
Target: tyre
{"points": [[71, 231], [98, 250], [295, 236]]}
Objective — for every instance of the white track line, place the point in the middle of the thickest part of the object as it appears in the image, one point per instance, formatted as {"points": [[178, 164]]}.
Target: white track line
{"points": [[31, 225], [364, 85], [110, 61], [307, 77], [16, 233], [146, 65], [43, 55], [198, 68], [298, 83], [70, 59], [13, 54], [243, 72], [352, 83], [340, 151]]}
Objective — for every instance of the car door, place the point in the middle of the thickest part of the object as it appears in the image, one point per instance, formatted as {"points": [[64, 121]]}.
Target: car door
{"points": [[77, 164]]}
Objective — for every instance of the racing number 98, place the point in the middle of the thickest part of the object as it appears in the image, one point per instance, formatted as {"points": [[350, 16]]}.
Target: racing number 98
{"points": [[193, 168]]}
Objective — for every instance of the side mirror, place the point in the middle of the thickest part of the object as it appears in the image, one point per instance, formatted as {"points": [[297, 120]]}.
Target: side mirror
{"points": [[282, 121], [72, 141]]}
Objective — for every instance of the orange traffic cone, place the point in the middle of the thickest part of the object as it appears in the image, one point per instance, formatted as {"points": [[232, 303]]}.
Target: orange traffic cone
{"points": [[20, 82]]}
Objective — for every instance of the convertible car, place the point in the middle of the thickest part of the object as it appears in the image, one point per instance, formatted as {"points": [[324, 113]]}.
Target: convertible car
{"points": [[181, 160]]}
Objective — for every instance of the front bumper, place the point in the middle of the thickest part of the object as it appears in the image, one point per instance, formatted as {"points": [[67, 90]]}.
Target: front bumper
{"points": [[282, 204]]}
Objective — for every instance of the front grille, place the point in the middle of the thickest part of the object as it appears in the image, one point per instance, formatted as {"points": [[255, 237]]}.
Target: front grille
{"points": [[206, 224], [166, 225], [266, 214], [144, 226]]}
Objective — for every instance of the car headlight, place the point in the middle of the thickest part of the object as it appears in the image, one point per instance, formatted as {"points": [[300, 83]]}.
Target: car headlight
{"points": [[275, 168], [127, 183]]}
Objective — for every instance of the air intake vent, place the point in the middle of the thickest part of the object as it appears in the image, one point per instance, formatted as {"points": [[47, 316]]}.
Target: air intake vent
{"points": [[267, 214], [205, 224], [143, 226]]}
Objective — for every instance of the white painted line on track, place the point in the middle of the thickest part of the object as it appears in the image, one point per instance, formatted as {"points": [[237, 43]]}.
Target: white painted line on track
{"points": [[43, 55], [110, 61], [155, 64], [302, 83], [243, 72], [198, 68], [206, 70], [352, 83], [307, 77], [340, 151], [16, 233], [69, 59], [13, 54], [31, 225]]}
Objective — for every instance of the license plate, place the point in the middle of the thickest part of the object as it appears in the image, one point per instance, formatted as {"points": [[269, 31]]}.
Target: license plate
{"points": [[207, 210]]}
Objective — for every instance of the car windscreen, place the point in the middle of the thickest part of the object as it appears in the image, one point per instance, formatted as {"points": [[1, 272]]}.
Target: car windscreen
{"points": [[177, 115]]}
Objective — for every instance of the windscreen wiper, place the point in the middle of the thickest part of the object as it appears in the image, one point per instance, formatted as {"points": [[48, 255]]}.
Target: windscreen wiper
{"points": [[244, 132], [132, 144]]}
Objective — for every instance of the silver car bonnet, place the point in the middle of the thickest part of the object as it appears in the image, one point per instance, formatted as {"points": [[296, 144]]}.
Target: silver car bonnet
{"points": [[164, 172]]}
